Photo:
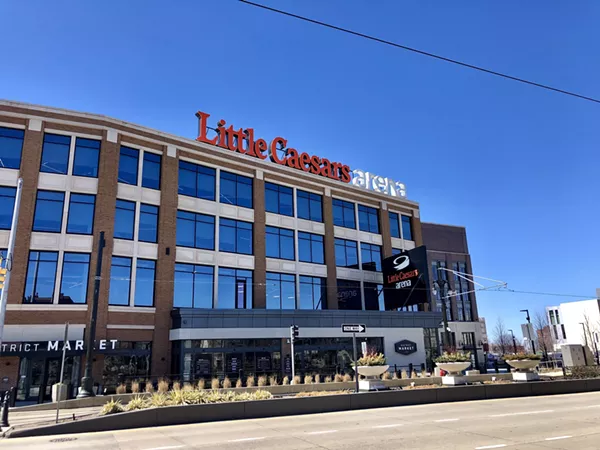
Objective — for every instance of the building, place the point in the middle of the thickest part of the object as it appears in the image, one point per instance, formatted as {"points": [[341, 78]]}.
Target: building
{"points": [[575, 323], [484, 335], [448, 256], [214, 247]]}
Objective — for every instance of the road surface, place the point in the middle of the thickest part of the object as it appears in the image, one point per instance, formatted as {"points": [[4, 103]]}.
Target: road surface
{"points": [[552, 422]]}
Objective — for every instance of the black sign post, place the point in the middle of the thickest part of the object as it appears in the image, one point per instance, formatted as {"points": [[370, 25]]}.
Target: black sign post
{"points": [[406, 279], [354, 328]]}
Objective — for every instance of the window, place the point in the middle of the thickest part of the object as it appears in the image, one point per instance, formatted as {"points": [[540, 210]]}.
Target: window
{"points": [[55, 153], [371, 257], [557, 317], [281, 291], [394, 225], [235, 236], [280, 243], [195, 230], [343, 214], [196, 181], [463, 300], [310, 248], [374, 297], [349, 295], [148, 231], [235, 190], [468, 340], [313, 292], [120, 281], [346, 253], [81, 214], [144, 282], [552, 319], [310, 206], [564, 332], [193, 286], [279, 199], [368, 219], [87, 156], [151, 171], [7, 205], [48, 211], [406, 228], [75, 278], [11, 147], [128, 165], [235, 289], [41, 275], [396, 251], [124, 219]]}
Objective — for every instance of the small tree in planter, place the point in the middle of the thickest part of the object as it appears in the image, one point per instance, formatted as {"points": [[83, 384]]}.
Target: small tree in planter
{"points": [[371, 366], [453, 363], [524, 363]]}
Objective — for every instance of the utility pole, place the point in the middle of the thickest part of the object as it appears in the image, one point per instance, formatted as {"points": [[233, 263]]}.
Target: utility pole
{"points": [[9, 256], [514, 342], [526, 311], [87, 382], [294, 333]]}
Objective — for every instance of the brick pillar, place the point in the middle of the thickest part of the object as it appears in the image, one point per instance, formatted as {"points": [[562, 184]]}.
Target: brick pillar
{"points": [[416, 229], [259, 291], [165, 267], [9, 368], [331, 302], [384, 224], [30, 168]]}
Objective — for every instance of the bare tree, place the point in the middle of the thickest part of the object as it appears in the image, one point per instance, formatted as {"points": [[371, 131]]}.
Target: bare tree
{"points": [[541, 327], [502, 339], [589, 331]]}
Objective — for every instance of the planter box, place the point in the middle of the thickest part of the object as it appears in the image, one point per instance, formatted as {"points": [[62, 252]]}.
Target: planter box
{"points": [[525, 376], [373, 381], [454, 380], [454, 367]]}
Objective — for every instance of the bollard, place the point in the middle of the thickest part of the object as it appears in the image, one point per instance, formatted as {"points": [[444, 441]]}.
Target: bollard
{"points": [[13, 396], [5, 402]]}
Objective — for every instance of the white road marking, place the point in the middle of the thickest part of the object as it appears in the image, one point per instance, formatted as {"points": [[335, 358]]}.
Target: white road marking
{"points": [[490, 446], [557, 438], [446, 420], [166, 448], [323, 432], [522, 413], [388, 426], [247, 439]]}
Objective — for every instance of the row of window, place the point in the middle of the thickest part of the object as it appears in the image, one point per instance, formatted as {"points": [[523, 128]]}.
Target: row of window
{"points": [[461, 291], [48, 216]]}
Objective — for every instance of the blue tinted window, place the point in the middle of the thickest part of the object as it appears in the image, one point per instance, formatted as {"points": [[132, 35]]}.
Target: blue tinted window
{"points": [[55, 154], [124, 219], [195, 230], [128, 165], [349, 295], [279, 199], [75, 276], [280, 243], [81, 214], [48, 211], [368, 219], [281, 291], [374, 297], [235, 236], [41, 275], [396, 251], [11, 147], [346, 253], [406, 228], [148, 231], [120, 281], [196, 181], [313, 292], [343, 214], [235, 289], [144, 282], [87, 155], [310, 206], [371, 257], [7, 206], [151, 171], [310, 248], [236, 190], [193, 286], [394, 225]]}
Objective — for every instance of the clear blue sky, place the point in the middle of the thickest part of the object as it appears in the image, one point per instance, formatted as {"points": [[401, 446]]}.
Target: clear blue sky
{"points": [[516, 165]]}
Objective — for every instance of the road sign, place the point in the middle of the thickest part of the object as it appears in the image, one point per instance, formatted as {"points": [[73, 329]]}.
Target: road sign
{"points": [[354, 328]]}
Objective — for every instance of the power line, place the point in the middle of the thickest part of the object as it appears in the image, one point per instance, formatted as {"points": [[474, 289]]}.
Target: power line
{"points": [[421, 52]]}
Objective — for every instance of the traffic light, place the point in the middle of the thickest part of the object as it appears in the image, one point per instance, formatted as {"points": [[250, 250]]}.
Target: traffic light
{"points": [[2, 277], [295, 332]]}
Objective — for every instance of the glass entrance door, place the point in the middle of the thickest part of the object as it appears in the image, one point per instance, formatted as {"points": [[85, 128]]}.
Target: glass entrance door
{"points": [[38, 375]]}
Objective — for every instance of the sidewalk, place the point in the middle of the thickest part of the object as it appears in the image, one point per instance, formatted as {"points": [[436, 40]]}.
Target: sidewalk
{"points": [[20, 419]]}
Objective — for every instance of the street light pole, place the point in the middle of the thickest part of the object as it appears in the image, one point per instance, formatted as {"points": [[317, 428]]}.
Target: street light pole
{"points": [[526, 311], [586, 343], [514, 342], [442, 285]]}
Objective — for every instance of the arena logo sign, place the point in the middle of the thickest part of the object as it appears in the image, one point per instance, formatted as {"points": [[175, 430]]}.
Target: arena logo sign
{"points": [[243, 141], [378, 183]]}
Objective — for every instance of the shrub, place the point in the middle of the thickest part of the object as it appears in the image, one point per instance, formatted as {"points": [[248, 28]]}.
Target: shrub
{"points": [[328, 379], [178, 397], [159, 400], [121, 389], [580, 372], [200, 384], [317, 378], [286, 380], [297, 379], [320, 393], [243, 397], [386, 375], [135, 387], [149, 387], [347, 378], [262, 381], [261, 395], [273, 381], [163, 386], [308, 379], [414, 374], [338, 378], [453, 357], [372, 359], [238, 383], [250, 381], [404, 374], [112, 407], [215, 384], [137, 402], [227, 383], [176, 386], [187, 387], [522, 356], [395, 376]]}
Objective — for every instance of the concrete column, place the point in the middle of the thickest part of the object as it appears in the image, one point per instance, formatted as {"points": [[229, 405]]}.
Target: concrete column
{"points": [[384, 225], [259, 291], [30, 167], [332, 300]]}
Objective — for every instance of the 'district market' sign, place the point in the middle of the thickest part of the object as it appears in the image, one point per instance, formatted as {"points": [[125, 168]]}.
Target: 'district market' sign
{"points": [[54, 346]]}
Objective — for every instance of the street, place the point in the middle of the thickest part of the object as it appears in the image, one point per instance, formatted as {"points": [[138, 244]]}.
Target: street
{"points": [[556, 422]]}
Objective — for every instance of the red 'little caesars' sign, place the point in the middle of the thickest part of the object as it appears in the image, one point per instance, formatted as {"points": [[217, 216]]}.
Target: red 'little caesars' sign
{"points": [[234, 140]]}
